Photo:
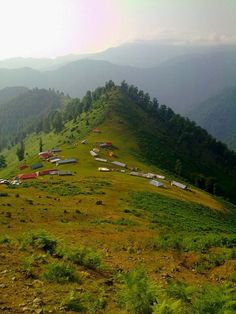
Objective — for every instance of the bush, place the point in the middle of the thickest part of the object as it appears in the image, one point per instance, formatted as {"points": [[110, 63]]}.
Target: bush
{"points": [[73, 303], [27, 267], [3, 194], [215, 300], [39, 240], [86, 257], [168, 306], [94, 303], [210, 261], [137, 294], [59, 272], [5, 240], [218, 299]]}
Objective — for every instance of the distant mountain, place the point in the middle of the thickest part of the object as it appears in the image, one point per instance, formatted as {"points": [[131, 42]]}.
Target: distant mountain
{"points": [[147, 54], [8, 93], [141, 54], [41, 64], [179, 83], [218, 115]]}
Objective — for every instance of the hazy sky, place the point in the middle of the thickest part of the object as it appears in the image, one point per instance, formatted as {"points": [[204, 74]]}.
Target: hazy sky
{"points": [[50, 28]]}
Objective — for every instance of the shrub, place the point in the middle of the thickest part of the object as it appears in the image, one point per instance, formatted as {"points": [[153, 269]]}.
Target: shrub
{"points": [[210, 261], [218, 299], [94, 303], [39, 240], [72, 303], [137, 294], [27, 267], [3, 194], [168, 306], [215, 300], [5, 240], [59, 272], [86, 257]]}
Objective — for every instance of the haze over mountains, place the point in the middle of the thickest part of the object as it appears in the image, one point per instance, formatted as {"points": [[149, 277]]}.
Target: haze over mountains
{"points": [[142, 54], [183, 80], [180, 76], [218, 115]]}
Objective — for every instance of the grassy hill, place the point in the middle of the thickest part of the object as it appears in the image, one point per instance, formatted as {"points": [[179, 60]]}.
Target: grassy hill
{"points": [[217, 115], [110, 238]]}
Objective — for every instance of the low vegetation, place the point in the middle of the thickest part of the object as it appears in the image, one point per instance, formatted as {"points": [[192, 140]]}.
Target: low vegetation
{"points": [[139, 295], [61, 273]]}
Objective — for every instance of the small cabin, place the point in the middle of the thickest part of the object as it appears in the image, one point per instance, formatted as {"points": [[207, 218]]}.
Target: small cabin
{"points": [[23, 167], [45, 155], [64, 173], [106, 145], [26, 176], [97, 131], [119, 164], [101, 159], [37, 166], [92, 153], [55, 150], [156, 183], [102, 169], [179, 185], [66, 161], [54, 160], [45, 172]]}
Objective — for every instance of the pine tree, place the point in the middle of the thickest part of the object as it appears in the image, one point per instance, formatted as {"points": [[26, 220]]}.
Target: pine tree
{"points": [[40, 145], [178, 167], [3, 163], [20, 152]]}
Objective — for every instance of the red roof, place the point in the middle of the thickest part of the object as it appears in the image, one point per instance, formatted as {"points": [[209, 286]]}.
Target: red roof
{"points": [[27, 176], [46, 171], [96, 131], [23, 167], [45, 155]]}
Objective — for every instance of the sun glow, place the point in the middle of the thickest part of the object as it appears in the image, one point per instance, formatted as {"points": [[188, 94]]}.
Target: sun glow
{"points": [[52, 27]]}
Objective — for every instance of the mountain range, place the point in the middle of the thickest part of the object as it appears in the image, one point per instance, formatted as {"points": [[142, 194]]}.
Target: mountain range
{"points": [[184, 78], [179, 83], [218, 116]]}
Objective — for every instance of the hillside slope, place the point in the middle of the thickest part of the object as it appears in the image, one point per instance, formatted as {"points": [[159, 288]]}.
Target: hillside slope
{"points": [[164, 139], [100, 225], [218, 116]]}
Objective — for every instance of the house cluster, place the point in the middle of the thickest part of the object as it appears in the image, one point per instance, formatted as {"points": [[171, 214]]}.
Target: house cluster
{"points": [[134, 172], [50, 157]]}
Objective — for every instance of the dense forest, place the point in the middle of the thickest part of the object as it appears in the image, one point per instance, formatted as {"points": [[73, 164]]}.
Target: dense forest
{"points": [[32, 111]]}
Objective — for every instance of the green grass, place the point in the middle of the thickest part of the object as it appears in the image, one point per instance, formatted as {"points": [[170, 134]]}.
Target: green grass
{"points": [[176, 215], [192, 241]]}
